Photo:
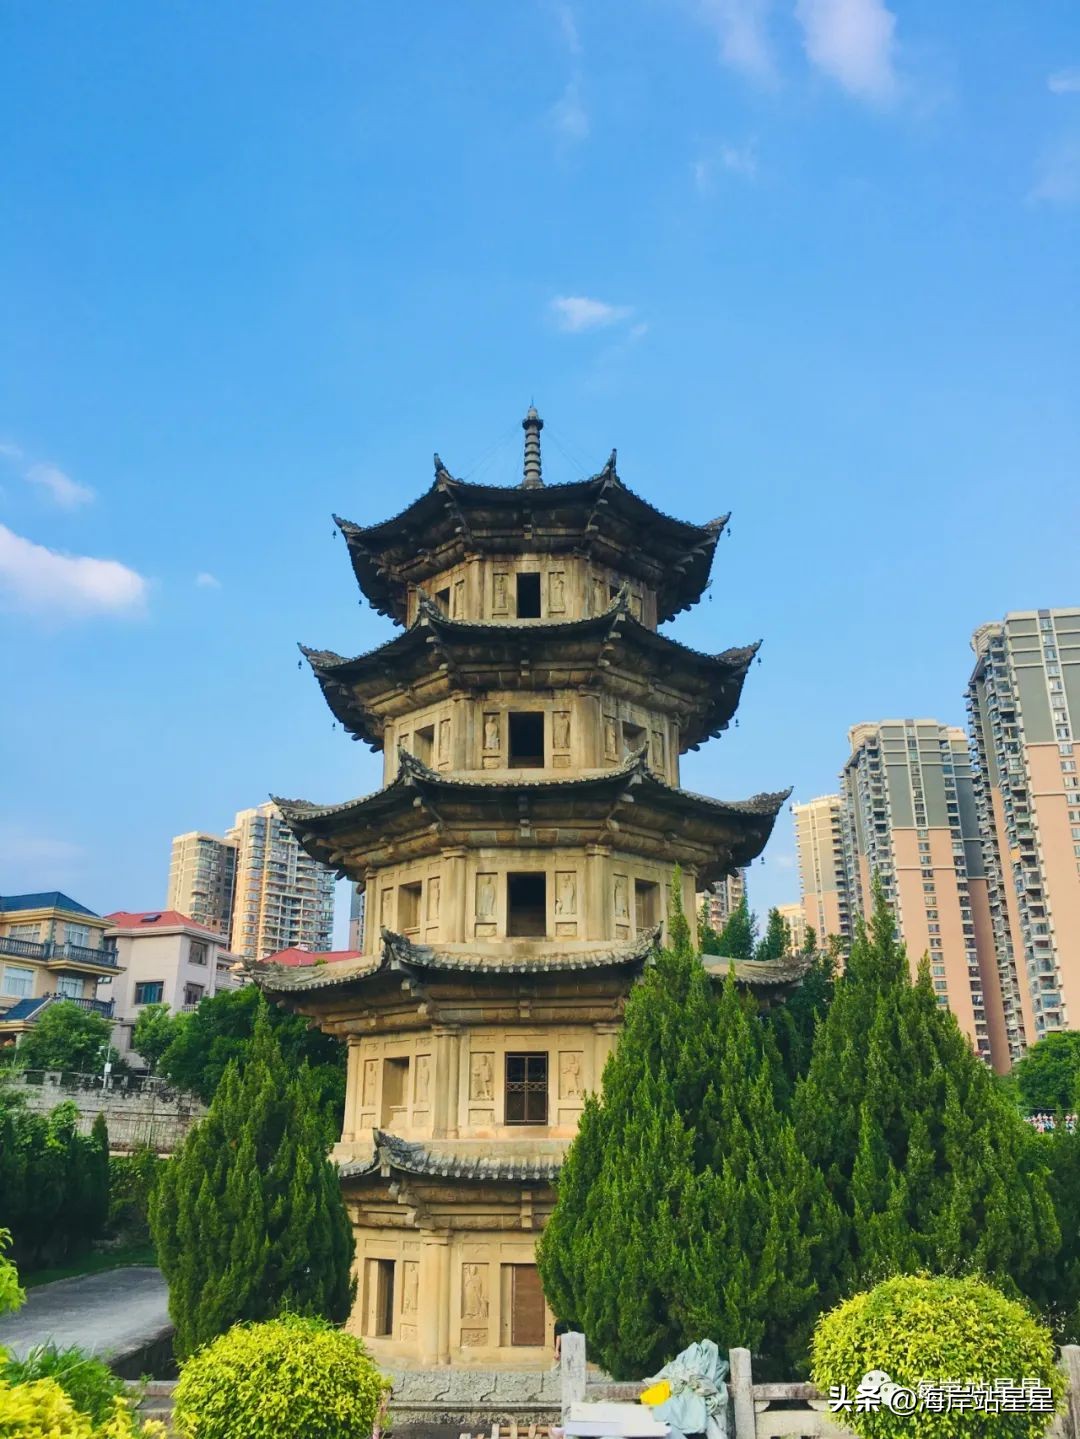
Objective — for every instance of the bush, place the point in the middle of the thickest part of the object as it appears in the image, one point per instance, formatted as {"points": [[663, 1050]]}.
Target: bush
{"points": [[132, 1178], [922, 1329], [287, 1376], [41, 1410], [88, 1382]]}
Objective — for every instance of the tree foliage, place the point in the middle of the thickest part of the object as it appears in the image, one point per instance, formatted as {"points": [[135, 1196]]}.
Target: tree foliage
{"points": [[921, 1151], [66, 1037], [1048, 1076], [775, 943], [247, 1217], [685, 1167], [153, 1032]]}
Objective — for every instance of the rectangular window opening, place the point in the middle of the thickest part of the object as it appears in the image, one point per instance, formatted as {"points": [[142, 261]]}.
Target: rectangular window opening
{"points": [[408, 908], [526, 1089], [526, 740], [633, 737], [646, 905], [442, 599], [395, 1087], [528, 1319], [380, 1297], [424, 744], [526, 906], [528, 597]]}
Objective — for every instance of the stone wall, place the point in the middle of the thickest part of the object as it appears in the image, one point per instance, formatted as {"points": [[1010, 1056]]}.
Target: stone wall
{"points": [[150, 1115]]}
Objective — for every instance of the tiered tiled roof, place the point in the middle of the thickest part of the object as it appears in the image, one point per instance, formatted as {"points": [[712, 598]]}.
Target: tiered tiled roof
{"points": [[393, 1155]]}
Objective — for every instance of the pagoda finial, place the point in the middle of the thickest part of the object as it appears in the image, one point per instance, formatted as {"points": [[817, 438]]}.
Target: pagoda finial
{"points": [[532, 424]]}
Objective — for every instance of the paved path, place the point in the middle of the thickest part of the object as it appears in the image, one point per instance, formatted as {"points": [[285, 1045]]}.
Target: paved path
{"points": [[110, 1313]]}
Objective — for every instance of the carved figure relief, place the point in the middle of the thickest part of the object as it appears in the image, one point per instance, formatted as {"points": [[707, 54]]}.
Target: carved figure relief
{"points": [[498, 592], [557, 590], [658, 751], [481, 1077], [566, 892], [560, 729], [423, 1080], [599, 598], [384, 907], [434, 887], [635, 606], [410, 1289], [611, 742], [459, 599], [570, 1075], [444, 739], [474, 1300], [371, 1075], [485, 896], [491, 731], [622, 905]]}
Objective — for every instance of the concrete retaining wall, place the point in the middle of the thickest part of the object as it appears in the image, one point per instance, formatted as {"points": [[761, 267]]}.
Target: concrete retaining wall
{"points": [[151, 1115]]}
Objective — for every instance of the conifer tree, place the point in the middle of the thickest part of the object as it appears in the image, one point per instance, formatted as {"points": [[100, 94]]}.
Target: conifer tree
{"points": [[776, 941], [685, 1169], [738, 938], [247, 1217], [920, 1150]]}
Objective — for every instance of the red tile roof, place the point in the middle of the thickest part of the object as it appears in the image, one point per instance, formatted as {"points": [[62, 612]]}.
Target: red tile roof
{"points": [[159, 919], [307, 956]]}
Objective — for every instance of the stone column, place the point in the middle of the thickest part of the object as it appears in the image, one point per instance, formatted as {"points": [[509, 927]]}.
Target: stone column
{"points": [[597, 920], [453, 896], [372, 937], [352, 1087], [434, 1328], [447, 1074]]}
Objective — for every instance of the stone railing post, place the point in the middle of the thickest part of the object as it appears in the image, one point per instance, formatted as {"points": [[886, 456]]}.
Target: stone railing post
{"points": [[1070, 1361], [571, 1371], [742, 1393]]}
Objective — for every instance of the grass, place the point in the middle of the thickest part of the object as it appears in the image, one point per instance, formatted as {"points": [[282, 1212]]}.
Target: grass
{"points": [[92, 1263]]}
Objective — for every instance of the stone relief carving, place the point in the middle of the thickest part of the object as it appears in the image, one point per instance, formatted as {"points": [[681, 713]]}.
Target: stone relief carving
{"points": [[410, 1290], [459, 599], [481, 1077], [560, 729], [423, 1079], [557, 590], [570, 1075], [384, 907], [599, 596], [611, 741], [498, 591], [371, 1077], [474, 1300], [566, 893], [658, 751], [434, 888], [622, 904], [485, 896], [444, 739], [491, 731]]}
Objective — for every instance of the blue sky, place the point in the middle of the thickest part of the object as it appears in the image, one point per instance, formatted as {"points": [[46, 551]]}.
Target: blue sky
{"points": [[811, 261]]}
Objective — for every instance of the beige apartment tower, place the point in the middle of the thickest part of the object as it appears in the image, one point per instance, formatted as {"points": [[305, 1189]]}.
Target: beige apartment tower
{"points": [[723, 898], [794, 917], [824, 867], [1024, 707], [909, 802], [284, 898], [202, 876]]}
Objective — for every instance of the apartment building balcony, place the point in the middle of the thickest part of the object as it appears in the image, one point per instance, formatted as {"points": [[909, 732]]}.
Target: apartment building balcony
{"points": [[58, 956]]}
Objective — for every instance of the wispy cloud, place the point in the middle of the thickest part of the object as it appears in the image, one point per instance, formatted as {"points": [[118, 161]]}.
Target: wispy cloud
{"points": [[569, 117], [206, 581], [575, 313], [19, 846], [38, 580], [851, 41], [61, 488], [568, 29], [1057, 179], [741, 30], [732, 159], [1065, 82]]}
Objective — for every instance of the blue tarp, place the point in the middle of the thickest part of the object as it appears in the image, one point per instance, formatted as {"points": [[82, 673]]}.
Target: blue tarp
{"points": [[699, 1397]]}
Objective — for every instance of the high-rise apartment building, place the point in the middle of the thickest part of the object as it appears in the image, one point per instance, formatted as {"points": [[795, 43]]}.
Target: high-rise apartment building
{"points": [[202, 878], [909, 803], [793, 916], [1024, 707], [284, 898], [356, 917], [722, 898], [825, 873]]}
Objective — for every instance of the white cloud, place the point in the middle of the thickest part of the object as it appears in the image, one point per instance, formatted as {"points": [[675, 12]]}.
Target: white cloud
{"points": [[10, 452], [1057, 180], [574, 313], [568, 29], [568, 115], [44, 581], [741, 27], [19, 846], [207, 581], [852, 42], [61, 488], [735, 159], [1064, 82]]}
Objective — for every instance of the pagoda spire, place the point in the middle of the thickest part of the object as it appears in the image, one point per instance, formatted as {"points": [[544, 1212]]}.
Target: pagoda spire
{"points": [[532, 424]]}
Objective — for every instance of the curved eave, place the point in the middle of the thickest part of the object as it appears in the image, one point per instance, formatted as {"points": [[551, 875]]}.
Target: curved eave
{"points": [[391, 1155], [353, 686], [451, 513]]}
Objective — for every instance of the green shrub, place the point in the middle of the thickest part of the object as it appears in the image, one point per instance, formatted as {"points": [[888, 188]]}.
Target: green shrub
{"points": [[132, 1178], [287, 1376], [12, 1295], [919, 1329], [88, 1382], [41, 1410]]}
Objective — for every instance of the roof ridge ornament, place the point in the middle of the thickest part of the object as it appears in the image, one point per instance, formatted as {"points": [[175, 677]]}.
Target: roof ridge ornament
{"points": [[532, 424]]}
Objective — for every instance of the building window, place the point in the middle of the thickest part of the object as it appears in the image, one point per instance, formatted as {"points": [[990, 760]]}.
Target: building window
{"points": [[150, 991], [18, 982], [379, 1305], [395, 1087], [526, 905], [23, 931], [70, 986], [526, 740], [78, 934], [192, 994], [646, 905], [442, 599], [408, 908], [633, 738], [526, 1089], [423, 746], [525, 1319], [197, 952], [528, 597]]}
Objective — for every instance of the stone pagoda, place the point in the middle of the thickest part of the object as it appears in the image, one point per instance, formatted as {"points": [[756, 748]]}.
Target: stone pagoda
{"points": [[517, 866]]}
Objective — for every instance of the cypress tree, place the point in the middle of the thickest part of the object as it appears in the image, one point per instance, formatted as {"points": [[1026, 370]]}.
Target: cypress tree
{"points": [[922, 1153], [776, 941], [247, 1217], [738, 938]]}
